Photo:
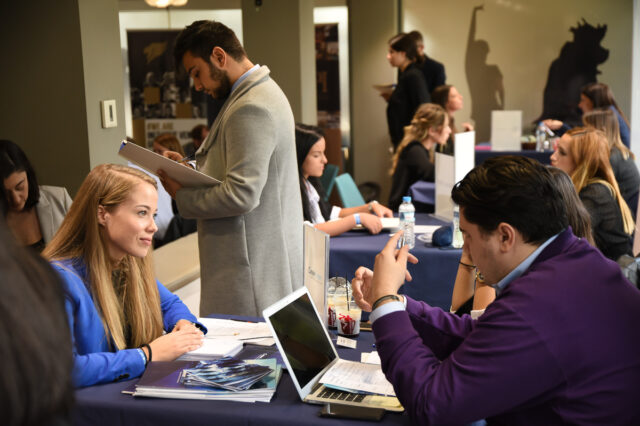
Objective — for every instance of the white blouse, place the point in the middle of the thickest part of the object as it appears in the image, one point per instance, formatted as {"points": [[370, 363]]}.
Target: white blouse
{"points": [[314, 205]]}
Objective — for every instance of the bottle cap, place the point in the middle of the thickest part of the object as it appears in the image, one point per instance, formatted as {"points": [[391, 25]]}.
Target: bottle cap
{"points": [[406, 199]]}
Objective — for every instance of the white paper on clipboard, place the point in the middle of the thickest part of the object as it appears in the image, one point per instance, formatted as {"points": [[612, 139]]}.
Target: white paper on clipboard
{"points": [[153, 162]]}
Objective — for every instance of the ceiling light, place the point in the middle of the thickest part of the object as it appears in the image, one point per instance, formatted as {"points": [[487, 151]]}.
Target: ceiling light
{"points": [[166, 3]]}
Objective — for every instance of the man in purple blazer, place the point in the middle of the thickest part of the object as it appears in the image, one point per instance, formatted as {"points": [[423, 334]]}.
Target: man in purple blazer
{"points": [[561, 342]]}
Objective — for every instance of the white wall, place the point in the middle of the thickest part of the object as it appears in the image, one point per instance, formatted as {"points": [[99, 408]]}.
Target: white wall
{"points": [[524, 38], [340, 15]]}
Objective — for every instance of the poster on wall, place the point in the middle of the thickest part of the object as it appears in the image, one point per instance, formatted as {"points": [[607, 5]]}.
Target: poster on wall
{"points": [[157, 90], [179, 127], [328, 76]]}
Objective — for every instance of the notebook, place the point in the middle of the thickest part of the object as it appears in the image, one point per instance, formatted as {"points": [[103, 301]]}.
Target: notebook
{"points": [[307, 351], [152, 162], [388, 224]]}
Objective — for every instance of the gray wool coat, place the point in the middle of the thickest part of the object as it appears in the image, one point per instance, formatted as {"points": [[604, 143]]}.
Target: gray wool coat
{"points": [[250, 226]]}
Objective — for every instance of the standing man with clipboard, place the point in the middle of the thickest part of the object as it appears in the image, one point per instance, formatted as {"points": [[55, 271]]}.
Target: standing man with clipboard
{"points": [[250, 225]]}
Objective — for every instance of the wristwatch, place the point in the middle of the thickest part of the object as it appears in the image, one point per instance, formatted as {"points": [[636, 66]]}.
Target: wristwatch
{"points": [[370, 207]]}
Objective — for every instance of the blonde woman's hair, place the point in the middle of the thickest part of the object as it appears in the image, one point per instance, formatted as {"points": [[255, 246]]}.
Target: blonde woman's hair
{"points": [[606, 120], [426, 117], [80, 237], [589, 150]]}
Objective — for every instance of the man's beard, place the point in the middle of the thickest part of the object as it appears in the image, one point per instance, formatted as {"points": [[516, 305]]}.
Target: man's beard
{"points": [[222, 77]]}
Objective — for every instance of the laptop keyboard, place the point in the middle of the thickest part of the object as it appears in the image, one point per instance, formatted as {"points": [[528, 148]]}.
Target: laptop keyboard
{"points": [[341, 396]]}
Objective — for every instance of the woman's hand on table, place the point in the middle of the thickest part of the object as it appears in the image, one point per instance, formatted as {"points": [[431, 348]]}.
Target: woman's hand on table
{"points": [[380, 210], [171, 345], [184, 324], [371, 222]]}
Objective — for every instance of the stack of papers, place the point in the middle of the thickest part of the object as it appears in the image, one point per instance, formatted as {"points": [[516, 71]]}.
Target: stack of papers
{"points": [[213, 348], [354, 376], [256, 333], [172, 380], [370, 358], [388, 223]]}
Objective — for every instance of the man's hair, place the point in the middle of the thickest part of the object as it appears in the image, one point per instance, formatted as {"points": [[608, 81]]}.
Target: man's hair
{"points": [[416, 36], [515, 190], [197, 132], [201, 37]]}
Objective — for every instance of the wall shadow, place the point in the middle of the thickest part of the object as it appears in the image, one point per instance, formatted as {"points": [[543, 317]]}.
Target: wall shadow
{"points": [[576, 66], [484, 80]]}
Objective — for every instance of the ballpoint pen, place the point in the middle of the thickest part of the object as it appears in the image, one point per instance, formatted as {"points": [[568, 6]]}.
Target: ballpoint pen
{"points": [[188, 158]]}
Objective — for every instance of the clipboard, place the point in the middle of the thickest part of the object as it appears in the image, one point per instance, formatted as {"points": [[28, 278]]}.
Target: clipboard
{"points": [[152, 162]]}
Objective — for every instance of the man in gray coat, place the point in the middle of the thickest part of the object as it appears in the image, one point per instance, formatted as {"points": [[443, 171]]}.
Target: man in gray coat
{"points": [[250, 225]]}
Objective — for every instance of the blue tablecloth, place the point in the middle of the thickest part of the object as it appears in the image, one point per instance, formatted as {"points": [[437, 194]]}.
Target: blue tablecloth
{"points": [[106, 405], [423, 196], [433, 276]]}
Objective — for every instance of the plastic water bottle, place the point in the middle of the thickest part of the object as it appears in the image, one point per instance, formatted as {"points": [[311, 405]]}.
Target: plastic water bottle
{"points": [[407, 222], [541, 136], [457, 240]]}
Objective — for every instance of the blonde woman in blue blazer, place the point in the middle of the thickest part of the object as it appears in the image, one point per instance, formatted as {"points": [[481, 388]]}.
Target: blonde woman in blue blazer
{"points": [[117, 310]]}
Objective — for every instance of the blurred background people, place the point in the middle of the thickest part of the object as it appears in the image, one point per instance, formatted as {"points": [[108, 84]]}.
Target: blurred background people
{"points": [[177, 225], [448, 97], [433, 71], [117, 310], [35, 344], [414, 157], [32, 212], [411, 90], [621, 158], [596, 96], [198, 134], [310, 147], [584, 155], [167, 142]]}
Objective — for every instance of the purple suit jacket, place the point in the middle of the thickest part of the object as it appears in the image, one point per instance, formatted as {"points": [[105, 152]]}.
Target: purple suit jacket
{"points": [[561, 344]]}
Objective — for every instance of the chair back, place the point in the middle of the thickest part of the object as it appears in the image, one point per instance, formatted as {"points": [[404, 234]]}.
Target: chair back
{"points": [[348, 191], [328, 179]]}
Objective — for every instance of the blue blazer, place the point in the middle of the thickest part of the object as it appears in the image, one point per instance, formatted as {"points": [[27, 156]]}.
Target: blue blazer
{"points": [[94, 360]]}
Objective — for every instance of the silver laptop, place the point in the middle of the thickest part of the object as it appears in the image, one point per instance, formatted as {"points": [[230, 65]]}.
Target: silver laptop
{"points": [[308, 352]]}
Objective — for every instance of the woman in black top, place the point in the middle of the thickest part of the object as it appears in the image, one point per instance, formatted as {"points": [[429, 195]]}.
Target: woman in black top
{"points": [[411, 90], [413, 160], [621, 158], [310, 147], [448, 97], [584, 155]]}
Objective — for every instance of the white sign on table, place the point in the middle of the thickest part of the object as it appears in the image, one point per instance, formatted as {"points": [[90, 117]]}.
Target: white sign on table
{"points": [[450, 170], [316, 266], [506, 129]]}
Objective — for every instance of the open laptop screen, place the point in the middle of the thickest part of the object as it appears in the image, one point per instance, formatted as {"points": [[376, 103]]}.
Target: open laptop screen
{"points": [[303, 339]]}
